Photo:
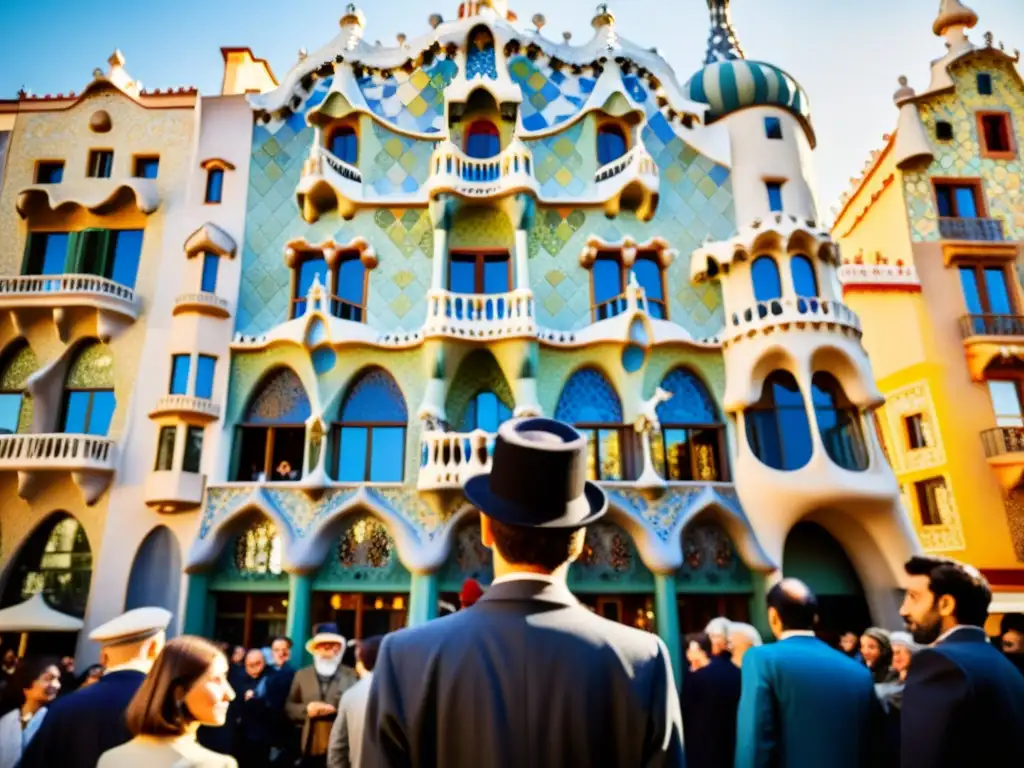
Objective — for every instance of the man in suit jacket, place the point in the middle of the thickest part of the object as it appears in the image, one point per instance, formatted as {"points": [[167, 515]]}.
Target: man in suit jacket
{"points": [[346, 745], [710, 698], [527, 676], [963, 703], [82, 726], [316, 691], [804, 703]]}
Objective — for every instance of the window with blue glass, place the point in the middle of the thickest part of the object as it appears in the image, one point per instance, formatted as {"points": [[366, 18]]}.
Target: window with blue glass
{"points": [[774, 189], [611, 143], [89, 391], [179, 374], [46, 253], [650, 276], [16, 366], [691, 445], [206, 366], [369, 438], [308, 270], [270, 442], [773, 128], [482, 140], [127, 251], [989, 295], [590, 403], [344, 144], [479, 272], [146, 167], [764, 272], [607, 288], [984, 84], [349, 302], [110, 253], [957, 200], [49, 172], [101, 164], [485, 411], [214, 185], [839, 423], [805, 281], [211, 264], [778, 431]]}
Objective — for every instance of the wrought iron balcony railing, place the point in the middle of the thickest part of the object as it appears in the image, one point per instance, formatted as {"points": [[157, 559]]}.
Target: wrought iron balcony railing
{"points": [[1003, 440], [988, 230], [991, 325]]}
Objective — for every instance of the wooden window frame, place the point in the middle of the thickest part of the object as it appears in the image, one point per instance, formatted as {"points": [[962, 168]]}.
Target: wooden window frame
{"points": [[336, 277], [369, 426], [482, 255], [88, 162], [1011, 141], [978, 266], [268, 453], [142, 158], [630, 457], [921, 496], [301, 259], [723, 466], [648, 254], [1005, 374], [908, 421], [159, 443], [66, 399], [979, 195], [333, 275]]}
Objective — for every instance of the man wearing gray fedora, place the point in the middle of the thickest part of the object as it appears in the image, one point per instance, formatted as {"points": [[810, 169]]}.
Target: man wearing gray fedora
{"points": [[527, 676]]}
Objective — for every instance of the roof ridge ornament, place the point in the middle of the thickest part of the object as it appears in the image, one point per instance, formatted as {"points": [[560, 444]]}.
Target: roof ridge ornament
{"points": [[953, 14], [723, 45]]}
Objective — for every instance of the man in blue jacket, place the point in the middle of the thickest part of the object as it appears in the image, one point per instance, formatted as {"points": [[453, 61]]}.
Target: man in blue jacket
{"points": [[803, 703], [963, 704]]}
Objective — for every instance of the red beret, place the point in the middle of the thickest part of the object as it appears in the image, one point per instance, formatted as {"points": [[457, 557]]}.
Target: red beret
{"points": [[471, 592]]}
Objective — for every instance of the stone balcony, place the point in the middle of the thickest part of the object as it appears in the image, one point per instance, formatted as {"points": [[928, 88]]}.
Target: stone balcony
{"points": [[90, 460], [328, 182], [96, 195], [480, 316], [174, 490], [784, 314], [69, 298], [977, 230], [448, 459], [631, 181], [1004, 449], [197, 409], [202, 303], [507, 173], [987, 337], [879, 277]]}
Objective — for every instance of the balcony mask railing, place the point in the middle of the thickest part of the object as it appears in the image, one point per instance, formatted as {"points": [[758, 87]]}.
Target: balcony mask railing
{"points": [[480, 314], [991, 325], [988, 230], [1003, 440], [339, 166], [448, 459], [638, 155], [480, 176], [801, 308], [42, 285], [56, 451]]}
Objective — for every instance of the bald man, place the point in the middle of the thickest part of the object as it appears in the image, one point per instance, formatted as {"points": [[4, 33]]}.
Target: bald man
{"points": [[248, 716], [802, 702]]}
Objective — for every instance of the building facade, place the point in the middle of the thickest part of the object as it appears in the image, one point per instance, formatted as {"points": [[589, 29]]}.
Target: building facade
{"points": [[348, 277], [931, 239]]}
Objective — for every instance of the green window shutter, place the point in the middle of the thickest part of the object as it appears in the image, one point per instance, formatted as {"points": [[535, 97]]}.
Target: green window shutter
{"points": [[94, 252], [75, 244], [31, 263]]}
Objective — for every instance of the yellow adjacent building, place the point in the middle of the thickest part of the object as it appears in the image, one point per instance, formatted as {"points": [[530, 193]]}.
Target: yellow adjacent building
{"points": [[931, 241]]}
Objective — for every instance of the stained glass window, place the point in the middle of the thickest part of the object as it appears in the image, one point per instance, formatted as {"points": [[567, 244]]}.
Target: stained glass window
{"points": [[258, 550], [691, 445], [369, 440], [589, 402], [777, 427], [89, 400], [272, 440], [57, 561], [15, 403], [839, 423], [280, 399]]}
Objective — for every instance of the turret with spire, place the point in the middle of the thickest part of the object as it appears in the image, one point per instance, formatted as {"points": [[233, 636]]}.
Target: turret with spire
{"points": [[952, 22], [723, 44]]}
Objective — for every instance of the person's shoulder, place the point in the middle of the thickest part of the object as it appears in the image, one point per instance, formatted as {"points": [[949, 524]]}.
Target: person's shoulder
{"points": [[629, 641], [207, 758]]}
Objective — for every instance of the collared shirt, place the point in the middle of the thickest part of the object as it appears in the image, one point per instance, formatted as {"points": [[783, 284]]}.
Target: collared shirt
{"points": [[957, 628], [527, 576], [137, 665], [797, 633]]}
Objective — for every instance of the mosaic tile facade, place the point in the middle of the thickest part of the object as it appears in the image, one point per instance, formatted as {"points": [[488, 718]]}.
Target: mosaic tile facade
{"points": [[1003, 180], [609, 557], [411, 101], [365, 555], [396, 163], [550, 96], [479, 372]]}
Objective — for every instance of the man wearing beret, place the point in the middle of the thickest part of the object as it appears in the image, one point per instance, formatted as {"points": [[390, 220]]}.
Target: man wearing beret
{"points": [[81, 727], [527, 676]]}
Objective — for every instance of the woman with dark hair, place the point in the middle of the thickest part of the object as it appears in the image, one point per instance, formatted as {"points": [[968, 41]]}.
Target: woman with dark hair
{"points": [[876, 649], [187, 687], [35, 684], [91, 675]]}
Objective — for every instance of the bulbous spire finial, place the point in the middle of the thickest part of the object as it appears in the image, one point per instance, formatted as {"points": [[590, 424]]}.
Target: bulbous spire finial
{"points": [[723, 44], [953, 13]]}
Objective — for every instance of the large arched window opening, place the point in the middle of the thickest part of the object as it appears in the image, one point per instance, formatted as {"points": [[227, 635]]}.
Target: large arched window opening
{"points": [[150, 582], [611, 143], [369, 439], [691, 445], [485, 411], [272, 436], [89, 391], [590, 403], [777, 428], [839, 423], [344, 144], [764, 272], [482, 139], [805, 281], [55, 560], [312, 267], [17, 365]]}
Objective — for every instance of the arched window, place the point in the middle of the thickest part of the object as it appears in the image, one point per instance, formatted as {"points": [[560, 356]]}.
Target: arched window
{"points": [[18, 364], [609, 278], [369, 439], [485, 411], [258, 550], [89, 391], [345, 144], [55, 560], [839, 423], [483, 139], [348, 300], [272, 436], [589, 402], [312, 266], [649, 275], [767, 282], [777, 428], [692, 441], [611, 143], [805, 282]]}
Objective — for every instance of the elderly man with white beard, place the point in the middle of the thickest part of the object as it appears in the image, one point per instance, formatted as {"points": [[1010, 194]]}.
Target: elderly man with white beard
{"points": [[315, 692]]}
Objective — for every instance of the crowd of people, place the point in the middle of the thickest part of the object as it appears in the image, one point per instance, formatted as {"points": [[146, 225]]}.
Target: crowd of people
{"points": [[525, 675]]}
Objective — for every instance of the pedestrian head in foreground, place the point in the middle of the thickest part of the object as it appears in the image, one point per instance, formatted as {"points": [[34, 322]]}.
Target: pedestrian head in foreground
{"points": [[717, 631], [187, 687], [742, 637], [876, 650], [792, 607], [943, 594], [528, 658], [698, 650], [35, 685]]}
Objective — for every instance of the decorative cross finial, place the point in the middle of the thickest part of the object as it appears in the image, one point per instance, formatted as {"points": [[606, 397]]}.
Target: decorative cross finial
{"points": [[723, 44]]}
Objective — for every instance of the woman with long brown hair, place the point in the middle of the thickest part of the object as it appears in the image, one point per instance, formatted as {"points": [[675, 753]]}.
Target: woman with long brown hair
{"points": [[187, 687]]}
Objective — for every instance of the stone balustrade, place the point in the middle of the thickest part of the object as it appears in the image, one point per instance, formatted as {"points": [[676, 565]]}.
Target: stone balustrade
{"points": [[199, 407], [452, 170], [202, 303], [775, 312], [480, 315], [57, 451], [448, 459]]}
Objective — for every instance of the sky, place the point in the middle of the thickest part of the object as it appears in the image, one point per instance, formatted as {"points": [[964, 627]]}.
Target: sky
{"points": [[847, 54]]}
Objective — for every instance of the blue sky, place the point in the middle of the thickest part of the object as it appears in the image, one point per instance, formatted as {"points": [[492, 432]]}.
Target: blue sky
{"points": [[847, 54]]}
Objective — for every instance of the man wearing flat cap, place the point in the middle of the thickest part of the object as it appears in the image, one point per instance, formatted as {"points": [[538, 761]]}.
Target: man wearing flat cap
{"points": [[82, 726], [527, 676]]}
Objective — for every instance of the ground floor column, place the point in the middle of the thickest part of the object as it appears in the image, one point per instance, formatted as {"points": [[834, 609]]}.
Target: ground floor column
{"points": [[297, 626], [196, 600], [423, 597], [666, 616]]}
